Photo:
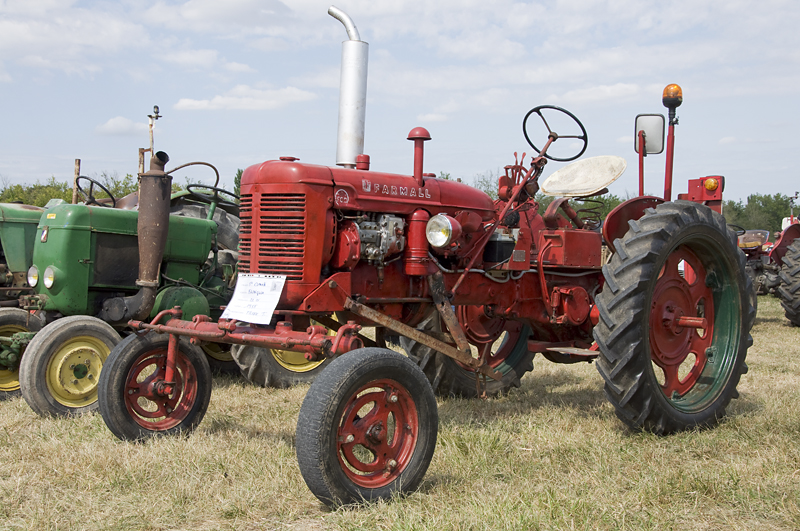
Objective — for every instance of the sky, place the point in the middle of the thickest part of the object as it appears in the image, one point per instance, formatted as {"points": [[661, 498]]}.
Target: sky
{"points": [[239, 82]]}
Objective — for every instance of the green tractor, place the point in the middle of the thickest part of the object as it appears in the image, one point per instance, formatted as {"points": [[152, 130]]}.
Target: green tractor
{"points": [[18, 224], [17, 232], [86, 280]]}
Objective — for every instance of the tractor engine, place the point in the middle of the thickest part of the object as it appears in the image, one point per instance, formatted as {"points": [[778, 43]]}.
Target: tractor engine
{"points": [[379, 236]]}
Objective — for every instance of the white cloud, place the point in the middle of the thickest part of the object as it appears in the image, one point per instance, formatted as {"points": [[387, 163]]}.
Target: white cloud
{"points": [[625, 140], [192, 58], [244, 97], [121, 126], [238, 67], [620, 91], [206, 60], [727, 140], [65, 38], [432, 117]]}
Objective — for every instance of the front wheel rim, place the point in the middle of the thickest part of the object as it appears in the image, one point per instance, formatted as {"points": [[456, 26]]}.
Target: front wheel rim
{"points": [[149, 408], [73, 371], [377, 433]]}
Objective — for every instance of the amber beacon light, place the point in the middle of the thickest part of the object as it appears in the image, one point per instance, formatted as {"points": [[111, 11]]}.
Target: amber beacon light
{"points": [[672, 97]]}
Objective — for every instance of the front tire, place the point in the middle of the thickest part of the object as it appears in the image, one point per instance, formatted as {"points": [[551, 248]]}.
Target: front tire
{"points": [[130, 401], [277, 368], [62, 365], [663, 372], [367, 428]]}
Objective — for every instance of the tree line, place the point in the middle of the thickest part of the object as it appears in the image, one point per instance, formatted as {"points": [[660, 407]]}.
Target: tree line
{"points": [[38, 194], [759, 211]]}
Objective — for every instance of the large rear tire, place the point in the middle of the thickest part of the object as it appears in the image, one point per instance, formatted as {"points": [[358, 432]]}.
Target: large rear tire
{"points": [[789, 288], [62, 365], [367, 428], [220, 358], [276, 367], [131, 403], [509, 356], [662, 372], [13, 320]]}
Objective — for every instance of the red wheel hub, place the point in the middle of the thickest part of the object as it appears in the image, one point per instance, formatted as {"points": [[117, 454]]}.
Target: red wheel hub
{"points": [[681, 321], [477, 326], [377, 433], [152, 402]]}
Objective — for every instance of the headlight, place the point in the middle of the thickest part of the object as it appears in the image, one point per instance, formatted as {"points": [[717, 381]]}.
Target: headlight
{"points": [[442, 230], [49, 277], [33, 276]]}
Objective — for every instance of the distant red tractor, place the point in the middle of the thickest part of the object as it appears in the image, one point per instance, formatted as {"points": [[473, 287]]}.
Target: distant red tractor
{"points": [[470, 288], [760, 267]]}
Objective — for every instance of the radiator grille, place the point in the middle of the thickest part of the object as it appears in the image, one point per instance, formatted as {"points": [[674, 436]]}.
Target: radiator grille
{"points": [[274, 243], [246, 214]]}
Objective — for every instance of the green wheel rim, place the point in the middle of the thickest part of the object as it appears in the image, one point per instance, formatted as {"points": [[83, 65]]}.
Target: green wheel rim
{"points": [[696, 360]]}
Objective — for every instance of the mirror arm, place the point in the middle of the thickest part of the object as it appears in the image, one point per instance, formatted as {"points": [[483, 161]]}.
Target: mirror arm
{"points": [[642, 155]]}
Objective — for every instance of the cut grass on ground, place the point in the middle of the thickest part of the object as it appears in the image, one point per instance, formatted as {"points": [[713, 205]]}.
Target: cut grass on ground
{"points": [[551, 455]]}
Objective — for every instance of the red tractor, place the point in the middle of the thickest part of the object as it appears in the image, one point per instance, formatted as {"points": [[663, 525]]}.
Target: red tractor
{"points": [[470, 288]]}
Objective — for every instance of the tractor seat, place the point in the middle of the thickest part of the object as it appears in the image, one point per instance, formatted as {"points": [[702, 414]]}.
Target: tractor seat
{"points": [[129, 202], [585, 177]]}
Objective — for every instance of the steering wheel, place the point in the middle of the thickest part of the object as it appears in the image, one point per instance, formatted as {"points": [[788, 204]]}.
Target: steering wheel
{"points": [[538, 111], [738, 229], [88, 197], [208, 198]]}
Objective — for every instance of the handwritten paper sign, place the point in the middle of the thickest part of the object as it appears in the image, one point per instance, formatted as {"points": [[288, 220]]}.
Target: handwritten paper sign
{"points": [[255, 298]]}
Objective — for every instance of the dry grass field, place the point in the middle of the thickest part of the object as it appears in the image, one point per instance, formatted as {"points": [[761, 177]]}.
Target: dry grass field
{"points": [[552, 455]]}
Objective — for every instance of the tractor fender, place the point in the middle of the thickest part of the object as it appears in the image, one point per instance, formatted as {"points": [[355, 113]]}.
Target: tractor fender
{"points": [[190, 299], [791, 233], [616, 223]]}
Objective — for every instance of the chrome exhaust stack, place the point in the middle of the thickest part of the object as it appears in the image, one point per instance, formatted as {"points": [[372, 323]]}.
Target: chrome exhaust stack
{"points": [[352, 93]]}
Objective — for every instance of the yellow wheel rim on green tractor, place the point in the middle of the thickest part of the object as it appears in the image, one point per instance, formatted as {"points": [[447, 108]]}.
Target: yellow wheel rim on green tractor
{"points": [[9, 380], [295, 361], [74, 370], [213, 350]]}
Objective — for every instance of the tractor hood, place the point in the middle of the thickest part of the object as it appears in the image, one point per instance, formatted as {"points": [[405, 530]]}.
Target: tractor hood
{"points": [[369, 191]]}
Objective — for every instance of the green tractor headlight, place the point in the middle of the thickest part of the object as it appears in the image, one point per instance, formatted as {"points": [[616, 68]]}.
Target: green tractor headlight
{"points": [[33, 276], [49, 277]]}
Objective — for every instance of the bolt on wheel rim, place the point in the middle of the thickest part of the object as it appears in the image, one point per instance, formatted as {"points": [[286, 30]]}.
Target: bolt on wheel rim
{"points": [[74, 370], [145, 399], [377, 433]]}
